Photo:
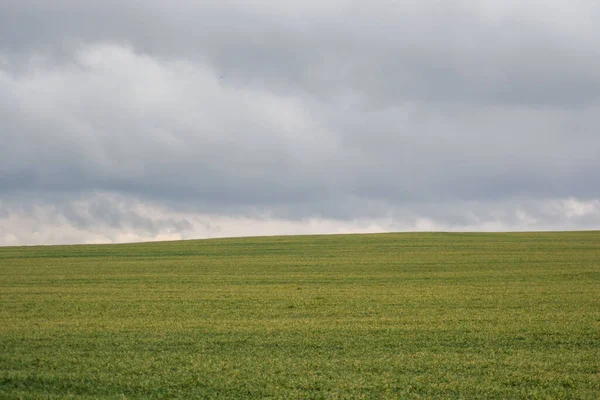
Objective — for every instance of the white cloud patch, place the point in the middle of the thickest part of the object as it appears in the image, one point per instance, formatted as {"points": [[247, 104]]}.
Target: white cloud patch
{"points": [[575, 209]]}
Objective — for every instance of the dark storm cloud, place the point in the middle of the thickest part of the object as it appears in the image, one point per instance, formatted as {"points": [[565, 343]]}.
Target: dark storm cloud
{"points": [[335, 110]]}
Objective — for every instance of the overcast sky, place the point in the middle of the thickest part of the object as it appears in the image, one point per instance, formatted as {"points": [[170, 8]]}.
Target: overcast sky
{"points": [[149, 120]]}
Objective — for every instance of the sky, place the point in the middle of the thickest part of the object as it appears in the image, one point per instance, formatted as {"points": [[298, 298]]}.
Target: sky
{"points": [[124, 121]]}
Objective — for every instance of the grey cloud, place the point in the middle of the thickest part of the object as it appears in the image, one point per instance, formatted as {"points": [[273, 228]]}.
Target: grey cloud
{"points": [[413, 111], [115, 120], [54, 222], [386, 53], [115, 212]]}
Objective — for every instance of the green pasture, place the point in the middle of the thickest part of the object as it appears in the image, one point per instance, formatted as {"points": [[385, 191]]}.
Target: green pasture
{"points": [[427, 315]]}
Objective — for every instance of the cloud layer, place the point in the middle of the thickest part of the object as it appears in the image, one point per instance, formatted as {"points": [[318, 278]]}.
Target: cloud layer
{"points": [[123, 121]]}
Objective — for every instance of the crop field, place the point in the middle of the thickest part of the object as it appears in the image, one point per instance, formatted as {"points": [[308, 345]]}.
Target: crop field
{"points": [[428, 315]]}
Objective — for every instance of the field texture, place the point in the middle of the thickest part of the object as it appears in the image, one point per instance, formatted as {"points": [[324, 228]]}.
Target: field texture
{"points": [[356, 316]]}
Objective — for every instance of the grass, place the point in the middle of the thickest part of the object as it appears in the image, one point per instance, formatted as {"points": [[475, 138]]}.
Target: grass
{"points": [[440, 315]]}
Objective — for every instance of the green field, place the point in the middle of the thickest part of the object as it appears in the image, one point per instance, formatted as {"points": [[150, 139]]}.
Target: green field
{"points": [[432, 315]]}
